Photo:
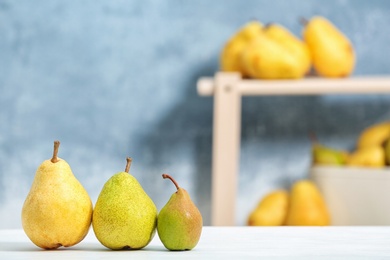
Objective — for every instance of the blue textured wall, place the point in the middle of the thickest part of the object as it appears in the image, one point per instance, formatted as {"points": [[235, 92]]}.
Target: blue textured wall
{"points": [[112, 79]]}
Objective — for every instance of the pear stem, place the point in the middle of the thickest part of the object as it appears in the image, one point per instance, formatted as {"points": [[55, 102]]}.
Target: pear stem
{"points": [[165, 176], [268, 25], [313, 137], [129, 160], [54, 159], [303, 21]]}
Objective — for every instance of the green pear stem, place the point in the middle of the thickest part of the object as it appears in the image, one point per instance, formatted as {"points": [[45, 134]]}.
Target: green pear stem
{"points": [[167, 176], [54, 159], [129, 160]]}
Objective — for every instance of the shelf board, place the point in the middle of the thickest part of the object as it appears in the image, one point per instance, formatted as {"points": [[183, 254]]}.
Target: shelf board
{"points": [[307, 86]]}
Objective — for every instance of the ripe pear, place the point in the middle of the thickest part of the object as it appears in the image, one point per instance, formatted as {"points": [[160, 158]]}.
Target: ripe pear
{"points": [[374, 135], [57, 211], [386, 148], [268, 58], [371, 156], [231, 52], [296, 46], [179, 223], [125, 216], [271, 211], [307, 206], [331, 51]]}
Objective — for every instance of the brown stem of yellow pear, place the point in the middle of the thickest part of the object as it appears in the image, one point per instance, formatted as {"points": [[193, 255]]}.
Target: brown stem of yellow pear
{"points": [[303, 21], [266, 26], [165, 176], [129, 160], [54, 159]]}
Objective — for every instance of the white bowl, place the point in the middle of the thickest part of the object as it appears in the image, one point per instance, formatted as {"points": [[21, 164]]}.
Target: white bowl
{"points": [[355, 196]]}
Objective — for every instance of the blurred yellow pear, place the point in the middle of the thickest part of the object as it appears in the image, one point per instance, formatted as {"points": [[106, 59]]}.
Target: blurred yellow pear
{"points": [[307, 206], [296, 46], [232, 51], [271, 211], [331, 51], [371, 156], [374, 135], [265, 58]]}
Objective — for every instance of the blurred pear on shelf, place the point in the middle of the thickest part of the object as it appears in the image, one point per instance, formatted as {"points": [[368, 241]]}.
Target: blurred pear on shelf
{"points": [[323, 155], [307, 206], [331, 51], [271, 211], [375, 135], [233, 49], [296, 46], [371, 156], [386, 148], [275, 54], [372, 148]]}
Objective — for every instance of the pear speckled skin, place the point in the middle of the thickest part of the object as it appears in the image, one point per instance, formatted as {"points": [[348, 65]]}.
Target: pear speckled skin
{"points": [[57, 211], [124, 216], [179, 223]]}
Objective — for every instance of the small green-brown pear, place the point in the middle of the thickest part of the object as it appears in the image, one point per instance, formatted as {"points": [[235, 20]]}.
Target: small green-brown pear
{"points": [[179, 223]]}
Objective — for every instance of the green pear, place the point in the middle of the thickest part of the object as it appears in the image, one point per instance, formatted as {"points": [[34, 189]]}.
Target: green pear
{"points": [[124, 217], [323, 155], [57, 211], [179, 223]]}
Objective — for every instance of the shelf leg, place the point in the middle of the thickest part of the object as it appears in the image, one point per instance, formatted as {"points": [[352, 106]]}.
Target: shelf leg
{"points": [[226, 148]]}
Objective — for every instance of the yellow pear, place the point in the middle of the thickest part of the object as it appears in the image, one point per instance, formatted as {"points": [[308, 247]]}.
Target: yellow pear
{"points": [[307, 206], [371, 156], [231, 53], [57, 211], [374, 135], [332, 53], [271, 211], [296, 46], [267, 58], [386, 148]]}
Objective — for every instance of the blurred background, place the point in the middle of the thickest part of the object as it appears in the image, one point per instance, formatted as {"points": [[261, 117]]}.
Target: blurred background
{"points": [[112, 79]]}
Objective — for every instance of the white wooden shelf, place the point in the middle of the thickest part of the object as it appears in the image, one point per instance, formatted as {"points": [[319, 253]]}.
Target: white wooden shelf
{"points": [[308, 86], [227, 89]]}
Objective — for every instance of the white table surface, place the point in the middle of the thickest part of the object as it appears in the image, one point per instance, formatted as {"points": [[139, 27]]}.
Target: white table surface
{"points": [[226, 243]]}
